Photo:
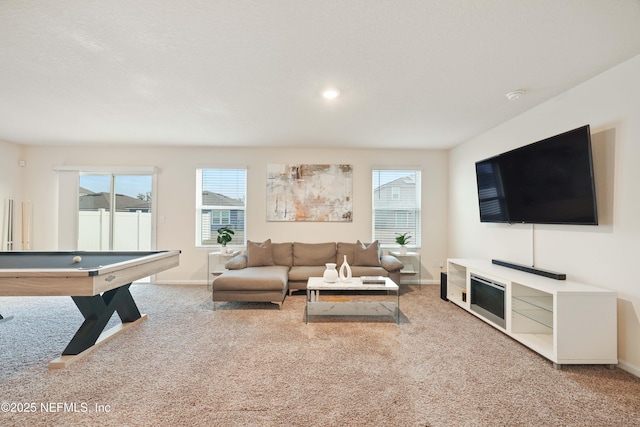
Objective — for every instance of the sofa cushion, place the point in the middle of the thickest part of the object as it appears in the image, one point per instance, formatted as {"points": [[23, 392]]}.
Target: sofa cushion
{"points": [[367, 254], [268, 278], [313, 253], [282, 253], [348, 249], [302, 273], [259, 254]]}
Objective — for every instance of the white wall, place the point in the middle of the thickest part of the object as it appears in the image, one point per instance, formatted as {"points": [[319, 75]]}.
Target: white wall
{"points": [[176, 195], [606, 255], [11, 180]]}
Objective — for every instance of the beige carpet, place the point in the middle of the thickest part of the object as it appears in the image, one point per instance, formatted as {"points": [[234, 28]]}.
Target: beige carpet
{"points": [[253, 365]]}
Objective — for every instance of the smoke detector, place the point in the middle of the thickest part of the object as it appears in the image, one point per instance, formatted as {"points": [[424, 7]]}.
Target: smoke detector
{"points": [[512, 96]]}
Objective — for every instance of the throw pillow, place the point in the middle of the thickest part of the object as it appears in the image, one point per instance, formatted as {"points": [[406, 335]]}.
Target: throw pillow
{"points": [[391, 263], [238, 262], [367, 255], [259, 254]]}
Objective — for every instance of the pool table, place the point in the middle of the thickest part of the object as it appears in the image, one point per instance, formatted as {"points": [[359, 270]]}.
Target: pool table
{"points": [[98, 283]]}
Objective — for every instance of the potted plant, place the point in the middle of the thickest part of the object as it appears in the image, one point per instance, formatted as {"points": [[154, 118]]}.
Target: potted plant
{"points": [[403, 239], [225, 235]]}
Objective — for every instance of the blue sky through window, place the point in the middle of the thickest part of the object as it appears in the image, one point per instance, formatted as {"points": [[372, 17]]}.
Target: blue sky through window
{"points": [[130, 185]]}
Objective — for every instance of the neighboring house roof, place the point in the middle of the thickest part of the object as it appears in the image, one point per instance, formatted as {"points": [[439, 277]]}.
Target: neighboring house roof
{"points": [[95, 201], [209, 198], [83, 191], [404, 181]]}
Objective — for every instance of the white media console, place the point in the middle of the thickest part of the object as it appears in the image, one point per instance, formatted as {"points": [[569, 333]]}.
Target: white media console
{"points": [[564, 321]]}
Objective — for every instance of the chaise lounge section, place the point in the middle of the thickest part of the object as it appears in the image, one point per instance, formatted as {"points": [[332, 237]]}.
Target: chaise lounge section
{"points": [[268, 270]]}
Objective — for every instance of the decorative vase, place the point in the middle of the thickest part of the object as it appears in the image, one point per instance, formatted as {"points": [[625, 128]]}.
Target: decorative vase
{"points": [[403, 250], [345, 271], [330, 273]]}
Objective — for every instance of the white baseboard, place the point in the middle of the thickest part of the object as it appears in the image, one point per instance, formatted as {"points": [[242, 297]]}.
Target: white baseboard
{"points": [[632, 369], [422, 282]]}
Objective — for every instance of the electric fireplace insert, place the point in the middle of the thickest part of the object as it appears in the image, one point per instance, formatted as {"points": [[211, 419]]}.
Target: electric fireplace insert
{"points": [[488, 299]]}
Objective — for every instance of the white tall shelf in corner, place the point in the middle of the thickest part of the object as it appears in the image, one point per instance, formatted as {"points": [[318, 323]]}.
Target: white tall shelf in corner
{"points": [[565, 322]]}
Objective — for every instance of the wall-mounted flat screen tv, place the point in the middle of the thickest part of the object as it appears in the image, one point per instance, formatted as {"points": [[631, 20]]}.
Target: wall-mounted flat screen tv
{"points": [[547, 182]]}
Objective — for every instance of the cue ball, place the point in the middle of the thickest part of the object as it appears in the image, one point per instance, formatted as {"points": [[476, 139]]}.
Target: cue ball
{"points": [[77, 259]]}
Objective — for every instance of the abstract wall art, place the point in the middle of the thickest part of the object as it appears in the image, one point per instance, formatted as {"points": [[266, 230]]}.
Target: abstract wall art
{"points": [[304, 192]]}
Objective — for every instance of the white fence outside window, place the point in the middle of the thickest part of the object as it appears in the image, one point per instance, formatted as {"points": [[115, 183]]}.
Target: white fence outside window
{"points": [[133, 231]]}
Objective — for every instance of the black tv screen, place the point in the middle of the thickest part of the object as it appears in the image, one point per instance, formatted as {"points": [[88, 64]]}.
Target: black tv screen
{"points": [[547, 182]]}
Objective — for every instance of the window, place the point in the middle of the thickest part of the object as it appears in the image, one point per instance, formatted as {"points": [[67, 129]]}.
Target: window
{"points": [[396, 205], [220, 201], [395, 193], [115, 211], [221, 217]]}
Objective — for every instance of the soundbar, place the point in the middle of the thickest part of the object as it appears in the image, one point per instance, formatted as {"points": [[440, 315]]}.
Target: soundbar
{"points": [[532, 270]]}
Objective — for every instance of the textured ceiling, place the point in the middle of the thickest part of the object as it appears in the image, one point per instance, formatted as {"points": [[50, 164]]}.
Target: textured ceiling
{"points": [[413, 73]]}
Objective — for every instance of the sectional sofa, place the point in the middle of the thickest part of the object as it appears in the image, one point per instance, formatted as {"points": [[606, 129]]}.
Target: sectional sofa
{"points": [[267, 271]]}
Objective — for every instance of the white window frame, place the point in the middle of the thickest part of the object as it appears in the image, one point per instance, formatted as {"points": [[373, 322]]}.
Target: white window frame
{"points": [[200, 207], [396, 197]]}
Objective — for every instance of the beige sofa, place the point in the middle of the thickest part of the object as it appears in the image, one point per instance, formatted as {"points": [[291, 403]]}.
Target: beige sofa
{"points": [[267, 271]]}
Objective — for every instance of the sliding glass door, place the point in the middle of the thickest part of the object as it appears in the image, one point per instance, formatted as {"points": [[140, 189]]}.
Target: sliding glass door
{"points": [[114, 212]]}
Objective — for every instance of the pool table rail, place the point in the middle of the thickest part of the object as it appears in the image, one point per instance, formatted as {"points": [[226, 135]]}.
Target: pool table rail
{"points": [[83, 282]]}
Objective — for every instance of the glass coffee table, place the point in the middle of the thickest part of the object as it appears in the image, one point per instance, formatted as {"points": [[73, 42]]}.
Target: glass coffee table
{"points": [[352, 298]]}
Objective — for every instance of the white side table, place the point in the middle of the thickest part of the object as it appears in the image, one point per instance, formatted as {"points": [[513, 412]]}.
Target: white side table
{"points": [[215, 265], [412, 265]]}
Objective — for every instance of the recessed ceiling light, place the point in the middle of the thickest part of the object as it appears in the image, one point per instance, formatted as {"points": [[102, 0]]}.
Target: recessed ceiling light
{"points": [[512, 96], [330, 93]]}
